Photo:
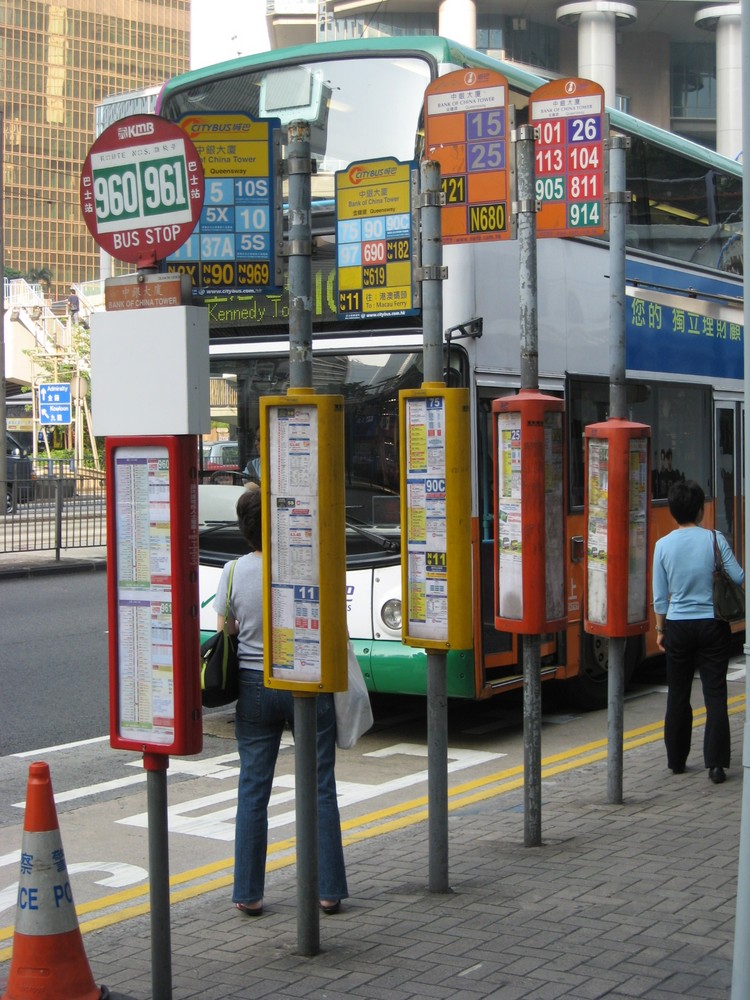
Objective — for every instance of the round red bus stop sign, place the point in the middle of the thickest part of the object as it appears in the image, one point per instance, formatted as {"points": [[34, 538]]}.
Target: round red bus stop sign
{"points": [[142, 189]]}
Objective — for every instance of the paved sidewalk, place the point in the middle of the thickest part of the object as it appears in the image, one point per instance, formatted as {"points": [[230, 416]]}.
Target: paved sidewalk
{"points": [[636, 900], [39, 562]]}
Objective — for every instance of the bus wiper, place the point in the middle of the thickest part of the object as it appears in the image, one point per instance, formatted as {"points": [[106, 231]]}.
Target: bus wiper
{"points": [[388, 544], [215, 526]]}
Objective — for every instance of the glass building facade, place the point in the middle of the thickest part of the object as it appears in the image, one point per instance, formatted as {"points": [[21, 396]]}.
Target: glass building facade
{"points": [[59, 60]]}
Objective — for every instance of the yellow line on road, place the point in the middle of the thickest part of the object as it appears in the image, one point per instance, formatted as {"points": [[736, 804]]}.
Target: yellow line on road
{"points": [[134, 902]]}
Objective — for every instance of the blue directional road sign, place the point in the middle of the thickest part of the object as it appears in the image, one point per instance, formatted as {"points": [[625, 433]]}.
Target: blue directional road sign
{"points": [[54, 403]]}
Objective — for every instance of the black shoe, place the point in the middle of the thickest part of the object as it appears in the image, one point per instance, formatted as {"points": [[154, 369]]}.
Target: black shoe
{"points": [[716, 774], [678, 770], [330, 907]]}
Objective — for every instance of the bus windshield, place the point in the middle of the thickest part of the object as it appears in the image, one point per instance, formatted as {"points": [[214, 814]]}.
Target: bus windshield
{"points": [[370, 385], [358, 109]]}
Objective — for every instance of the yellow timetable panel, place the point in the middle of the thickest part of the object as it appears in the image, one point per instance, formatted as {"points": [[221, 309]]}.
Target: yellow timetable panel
{"points": [[374, 240]]}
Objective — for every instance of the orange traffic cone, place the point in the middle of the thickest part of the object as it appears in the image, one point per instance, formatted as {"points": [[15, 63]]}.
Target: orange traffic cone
{"points": [[48, 961]]}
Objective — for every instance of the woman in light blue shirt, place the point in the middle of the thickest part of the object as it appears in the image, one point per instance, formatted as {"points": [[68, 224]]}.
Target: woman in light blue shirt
{"points": [[689, 633]]}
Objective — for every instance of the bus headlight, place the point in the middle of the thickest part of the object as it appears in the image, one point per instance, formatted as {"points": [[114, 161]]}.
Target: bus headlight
{"points": [[391, 613]]}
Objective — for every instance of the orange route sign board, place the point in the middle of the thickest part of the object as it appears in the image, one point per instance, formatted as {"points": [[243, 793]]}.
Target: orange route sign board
{"points": [[466, 131], [569, 157]]}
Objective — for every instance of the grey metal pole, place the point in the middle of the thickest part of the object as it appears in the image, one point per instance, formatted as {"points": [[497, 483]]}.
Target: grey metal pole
{"points": [[617, 409], [300, 376], [741, 962], [158, 866], [437, 699], [306, 808], [532, 662]]}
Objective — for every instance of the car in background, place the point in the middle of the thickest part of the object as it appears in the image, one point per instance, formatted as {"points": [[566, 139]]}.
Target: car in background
{"points": [[20, 473], [223, 462]]}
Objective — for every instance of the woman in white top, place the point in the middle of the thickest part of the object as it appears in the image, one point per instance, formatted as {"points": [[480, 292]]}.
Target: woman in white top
{"points": [[261, 716]]}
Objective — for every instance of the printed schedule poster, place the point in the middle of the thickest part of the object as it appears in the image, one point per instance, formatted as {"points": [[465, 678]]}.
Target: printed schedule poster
{"points": [[596, 530], [509, 516], [427, 534], [295, 546], [144, 595]]}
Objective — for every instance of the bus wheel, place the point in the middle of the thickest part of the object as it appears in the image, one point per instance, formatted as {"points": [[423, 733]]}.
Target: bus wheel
{"points": [[588, 691]]}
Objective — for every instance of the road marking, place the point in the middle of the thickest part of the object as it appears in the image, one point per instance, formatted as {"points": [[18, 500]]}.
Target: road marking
{"points": [[120, 875], [193, 819], [61, 746]]}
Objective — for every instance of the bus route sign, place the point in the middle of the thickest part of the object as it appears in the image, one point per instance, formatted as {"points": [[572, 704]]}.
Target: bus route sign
{"points": [[233, 250], [141, 189], [375, 239], [569, 157], [466, 131]]}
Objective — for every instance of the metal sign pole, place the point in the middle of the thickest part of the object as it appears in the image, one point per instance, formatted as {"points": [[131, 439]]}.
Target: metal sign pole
{"points": [[300, 376], [617, 409], [741, 964], [158, 874], [437, 697], [532, 662]]}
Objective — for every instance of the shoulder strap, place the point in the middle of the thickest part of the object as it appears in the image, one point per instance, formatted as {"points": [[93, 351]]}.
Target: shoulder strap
{"points": [[718, 561], [229, 589]]}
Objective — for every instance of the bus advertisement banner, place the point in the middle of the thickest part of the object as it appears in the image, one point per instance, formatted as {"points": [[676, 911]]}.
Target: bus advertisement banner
{"points": [[569, 157], [375, 240], [683, 335], [233, 249], [467, 131]]}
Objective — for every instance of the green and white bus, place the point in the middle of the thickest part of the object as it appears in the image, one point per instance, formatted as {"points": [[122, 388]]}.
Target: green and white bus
{"points": [[684, 345]]}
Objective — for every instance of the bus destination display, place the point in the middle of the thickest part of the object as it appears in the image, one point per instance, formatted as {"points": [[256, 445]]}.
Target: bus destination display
{"points": [[569, 157], [141, 189], [374, 240], [466, 131], [233, 248]]}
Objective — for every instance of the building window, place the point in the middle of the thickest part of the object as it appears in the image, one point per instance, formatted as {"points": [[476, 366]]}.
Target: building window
{"points": [[519, 40], [693, 90]]}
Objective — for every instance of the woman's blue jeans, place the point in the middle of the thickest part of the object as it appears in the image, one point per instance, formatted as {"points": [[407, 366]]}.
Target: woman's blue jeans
{"points": [[261, 715]]}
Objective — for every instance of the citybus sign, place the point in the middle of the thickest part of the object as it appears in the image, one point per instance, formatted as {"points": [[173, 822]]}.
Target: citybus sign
{"points": [[569, 157], [142, 189]]}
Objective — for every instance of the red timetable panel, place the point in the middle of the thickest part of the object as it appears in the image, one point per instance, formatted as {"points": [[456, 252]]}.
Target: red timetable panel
{"points": [[466, 131], [569, 158]]}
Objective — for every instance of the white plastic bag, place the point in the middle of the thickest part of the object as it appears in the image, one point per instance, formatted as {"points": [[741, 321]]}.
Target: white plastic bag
{"points": [[353, 711]]}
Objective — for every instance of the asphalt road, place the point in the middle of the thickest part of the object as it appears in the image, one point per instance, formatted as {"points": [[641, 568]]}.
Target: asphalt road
{"points": [[53, 660]]}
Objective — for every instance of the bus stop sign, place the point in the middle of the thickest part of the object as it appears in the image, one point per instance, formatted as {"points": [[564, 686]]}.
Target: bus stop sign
{"points": [[142, 189], [569, 157], [466, 131]]}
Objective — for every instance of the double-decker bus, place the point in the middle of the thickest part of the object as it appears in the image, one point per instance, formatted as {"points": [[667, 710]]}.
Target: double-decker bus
{"points": [[684, 345]]}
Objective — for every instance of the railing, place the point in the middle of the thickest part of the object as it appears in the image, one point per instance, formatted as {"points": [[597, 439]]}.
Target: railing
{"points": [[61, 510]]}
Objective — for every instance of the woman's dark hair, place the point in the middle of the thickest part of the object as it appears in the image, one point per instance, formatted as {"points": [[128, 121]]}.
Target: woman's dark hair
{"points": [[686, 501], [249, 518]]}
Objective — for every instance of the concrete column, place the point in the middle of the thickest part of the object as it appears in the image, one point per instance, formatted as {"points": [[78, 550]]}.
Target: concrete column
{"points": [[725, 21], [597, 22], [457, 19]]}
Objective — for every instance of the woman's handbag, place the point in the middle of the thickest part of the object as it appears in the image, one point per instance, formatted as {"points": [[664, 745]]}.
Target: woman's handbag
{"points": [[729, 597], [353, 711], [220, 665]]}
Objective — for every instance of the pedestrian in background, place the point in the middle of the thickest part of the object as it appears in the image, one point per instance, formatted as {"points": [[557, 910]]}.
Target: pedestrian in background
{"points": [[688, 632], [260, 719]]}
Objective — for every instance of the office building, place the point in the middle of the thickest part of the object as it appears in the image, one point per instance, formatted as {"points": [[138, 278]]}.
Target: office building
{"points": [[60, 60]]}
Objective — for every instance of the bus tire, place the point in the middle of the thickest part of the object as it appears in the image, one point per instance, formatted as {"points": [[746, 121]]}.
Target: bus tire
{"points": [[587, 691]]}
